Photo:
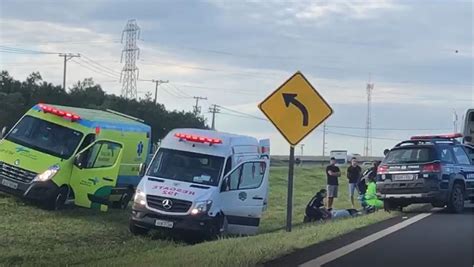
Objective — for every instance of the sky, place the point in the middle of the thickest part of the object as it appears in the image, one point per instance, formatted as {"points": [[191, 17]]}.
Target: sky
{"points": [[418, 54]]}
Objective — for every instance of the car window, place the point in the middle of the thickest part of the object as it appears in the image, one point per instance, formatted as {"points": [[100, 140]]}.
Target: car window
{"points": [[461, 155], [247, 176], [446, 155], [102, 155], [470, 153], [409, 155]]}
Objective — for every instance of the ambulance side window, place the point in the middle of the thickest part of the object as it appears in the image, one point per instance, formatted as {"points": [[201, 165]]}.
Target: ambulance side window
{"points": [[102, 155], [248, 176], [89, 139], [252, 175]]}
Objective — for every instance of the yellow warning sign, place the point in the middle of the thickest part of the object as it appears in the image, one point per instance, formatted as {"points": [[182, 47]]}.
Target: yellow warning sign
{"points": [[296, 108]]}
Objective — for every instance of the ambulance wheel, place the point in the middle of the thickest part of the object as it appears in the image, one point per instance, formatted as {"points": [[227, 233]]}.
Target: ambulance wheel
{"points": [[219, 227], [123, 202], [137, 230], [57, 201]]}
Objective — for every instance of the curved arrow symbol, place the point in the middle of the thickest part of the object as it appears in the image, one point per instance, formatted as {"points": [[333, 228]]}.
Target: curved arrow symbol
{"points": [[291, 99]]}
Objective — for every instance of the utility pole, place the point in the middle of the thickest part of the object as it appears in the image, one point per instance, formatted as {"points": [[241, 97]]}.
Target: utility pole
{"points": [[197, 108], [324, 139], [302, 149], [214, 109], [67, 57], [157, 83], [455, 121]]}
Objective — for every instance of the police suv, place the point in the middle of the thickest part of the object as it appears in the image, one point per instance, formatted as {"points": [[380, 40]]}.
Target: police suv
{"points": [[427, 169], [205, 181]]}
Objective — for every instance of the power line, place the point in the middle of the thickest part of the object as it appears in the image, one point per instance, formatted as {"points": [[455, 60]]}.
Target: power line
{"points": [[7, 49], [388, 129], [99, 70], [181, 92], [361, 136], [94, 70], [105, 68]]}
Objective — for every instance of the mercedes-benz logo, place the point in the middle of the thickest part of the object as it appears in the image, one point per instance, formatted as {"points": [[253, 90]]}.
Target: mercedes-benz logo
{"points": [[17, 162], [167, 204]]}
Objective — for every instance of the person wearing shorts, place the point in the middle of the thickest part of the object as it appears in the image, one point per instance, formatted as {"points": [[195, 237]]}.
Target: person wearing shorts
{"points": [[353, 174], [332, 173]]}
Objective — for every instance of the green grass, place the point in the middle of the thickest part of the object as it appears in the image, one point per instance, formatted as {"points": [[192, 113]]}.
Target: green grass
{"points": [[32, 236]]}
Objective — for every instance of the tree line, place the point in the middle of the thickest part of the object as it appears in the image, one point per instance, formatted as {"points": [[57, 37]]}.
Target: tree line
{"points": [[16, 97]]}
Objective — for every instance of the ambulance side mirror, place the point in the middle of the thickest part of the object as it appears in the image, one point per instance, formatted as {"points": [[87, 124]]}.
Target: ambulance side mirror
{"points": [[225, 184], [3, 132], [142, 169], [78, 160]]}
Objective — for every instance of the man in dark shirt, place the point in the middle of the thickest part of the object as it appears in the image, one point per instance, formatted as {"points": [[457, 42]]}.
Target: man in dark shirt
{"points": [[333, 173], [353, 174], [313, 209]]}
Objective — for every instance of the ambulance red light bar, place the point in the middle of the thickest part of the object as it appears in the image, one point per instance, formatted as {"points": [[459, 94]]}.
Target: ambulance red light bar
{"points": [[198, 139], [439, 136], [59, 112]]}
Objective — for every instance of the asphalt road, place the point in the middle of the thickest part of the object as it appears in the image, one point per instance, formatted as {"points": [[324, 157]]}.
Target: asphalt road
{"points": [[441, 239]]}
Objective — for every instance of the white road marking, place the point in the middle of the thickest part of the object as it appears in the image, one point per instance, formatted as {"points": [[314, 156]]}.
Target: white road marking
{"points": [[321, 260]]}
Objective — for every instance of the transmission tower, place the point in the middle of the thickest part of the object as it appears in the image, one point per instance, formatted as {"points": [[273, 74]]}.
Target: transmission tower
{"points": [[368, 126], [129, 74]]}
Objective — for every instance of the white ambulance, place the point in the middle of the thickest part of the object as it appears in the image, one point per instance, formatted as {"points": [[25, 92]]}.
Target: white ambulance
{"points": [[203, 180]]}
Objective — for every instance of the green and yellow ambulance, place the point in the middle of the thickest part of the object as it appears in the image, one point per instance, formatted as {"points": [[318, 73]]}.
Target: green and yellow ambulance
{"points": [[55, 154]]}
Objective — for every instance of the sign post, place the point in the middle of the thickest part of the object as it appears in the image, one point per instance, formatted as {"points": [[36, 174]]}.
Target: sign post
{"points": [[289, 201], [295, 109]]}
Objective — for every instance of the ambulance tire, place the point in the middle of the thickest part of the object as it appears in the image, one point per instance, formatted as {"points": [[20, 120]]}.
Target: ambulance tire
{"points": [[136, 230], [219, 227], [57, 201], [124, 200]]}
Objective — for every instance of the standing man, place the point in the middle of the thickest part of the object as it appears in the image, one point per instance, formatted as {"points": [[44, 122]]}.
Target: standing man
{"points": [[353, 174], [333, 173]]}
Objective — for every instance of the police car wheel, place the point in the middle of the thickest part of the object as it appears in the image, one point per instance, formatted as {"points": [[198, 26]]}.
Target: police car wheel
{"points": [[456, 199], [136, 230]]}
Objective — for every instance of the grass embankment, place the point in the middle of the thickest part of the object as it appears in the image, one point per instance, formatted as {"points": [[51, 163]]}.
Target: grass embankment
{"points": [[31, 236]]}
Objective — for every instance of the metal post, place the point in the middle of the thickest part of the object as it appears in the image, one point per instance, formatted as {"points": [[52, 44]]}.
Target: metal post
{"points": [[64, 73], [289, 205]]}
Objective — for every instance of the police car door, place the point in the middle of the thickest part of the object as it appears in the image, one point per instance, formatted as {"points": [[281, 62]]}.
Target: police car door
{"points": [[467, 166], [243, 196]]}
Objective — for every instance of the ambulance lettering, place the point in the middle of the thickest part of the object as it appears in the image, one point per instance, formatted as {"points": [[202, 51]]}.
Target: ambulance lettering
{"points": [[173, 191]]}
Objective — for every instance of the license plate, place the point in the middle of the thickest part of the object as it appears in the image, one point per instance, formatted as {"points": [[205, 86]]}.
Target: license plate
{"points": [[165, 224], [10, 184], [404, 177]]}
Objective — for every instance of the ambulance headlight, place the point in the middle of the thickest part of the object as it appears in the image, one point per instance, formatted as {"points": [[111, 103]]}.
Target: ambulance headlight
{"points": [[47, 175], [201, 207], [140, 197]]}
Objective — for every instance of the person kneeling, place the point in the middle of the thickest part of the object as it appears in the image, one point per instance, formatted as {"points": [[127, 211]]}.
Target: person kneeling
{"points": [[315, 210], [370, 197]]}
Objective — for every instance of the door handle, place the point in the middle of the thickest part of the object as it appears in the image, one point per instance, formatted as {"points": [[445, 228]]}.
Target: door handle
{"points": [[108, 179], [257, 198]]}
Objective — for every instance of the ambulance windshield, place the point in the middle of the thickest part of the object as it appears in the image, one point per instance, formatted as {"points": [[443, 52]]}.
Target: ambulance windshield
{"points": [[45, 137], [187, 167]]}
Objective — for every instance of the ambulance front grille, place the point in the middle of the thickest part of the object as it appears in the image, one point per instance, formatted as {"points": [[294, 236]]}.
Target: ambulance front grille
{"points": [[15, 173], [177, 205]]}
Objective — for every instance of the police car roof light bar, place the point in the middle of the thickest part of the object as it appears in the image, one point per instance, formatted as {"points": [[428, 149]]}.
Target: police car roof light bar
{"points": [[58, 112], [440, 136]]}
